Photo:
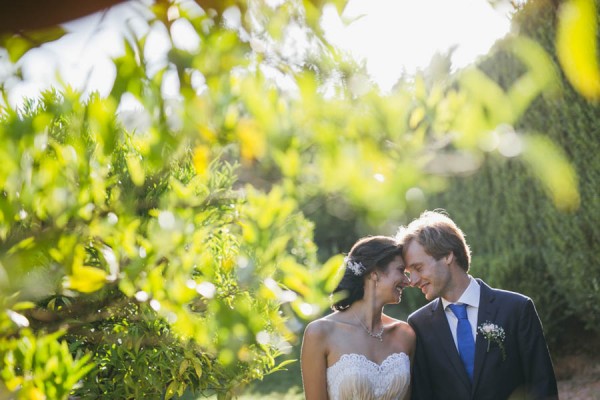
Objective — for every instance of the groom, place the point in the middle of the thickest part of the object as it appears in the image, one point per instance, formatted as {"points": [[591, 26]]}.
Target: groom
{"points": [[473, 341]]}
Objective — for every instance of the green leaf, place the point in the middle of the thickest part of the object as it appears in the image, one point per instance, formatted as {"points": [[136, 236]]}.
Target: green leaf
{"points": [[171, 389], [542, 75], [329, 272], [18, 45], [489, 95], [281, 366], [552, 167]]}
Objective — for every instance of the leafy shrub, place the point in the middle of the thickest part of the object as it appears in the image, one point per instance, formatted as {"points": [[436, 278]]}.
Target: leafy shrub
{"points": [[520, 240]]}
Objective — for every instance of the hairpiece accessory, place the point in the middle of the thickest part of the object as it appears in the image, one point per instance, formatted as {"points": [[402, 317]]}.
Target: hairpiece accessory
{"points": [[356, 267]]}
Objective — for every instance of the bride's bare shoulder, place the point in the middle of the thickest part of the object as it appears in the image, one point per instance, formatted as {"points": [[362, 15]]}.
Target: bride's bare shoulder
{"points": [[322, 327], [398, 325]]}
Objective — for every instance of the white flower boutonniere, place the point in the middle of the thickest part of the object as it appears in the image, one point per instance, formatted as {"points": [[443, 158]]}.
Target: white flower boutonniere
{"points": [[493, 333]]}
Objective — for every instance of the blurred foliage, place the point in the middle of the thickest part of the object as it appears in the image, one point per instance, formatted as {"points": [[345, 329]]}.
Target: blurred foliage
{"points": [[169, 243], [157, 262], [519, 238], [40, 366], [19, 44], [577, 45]]}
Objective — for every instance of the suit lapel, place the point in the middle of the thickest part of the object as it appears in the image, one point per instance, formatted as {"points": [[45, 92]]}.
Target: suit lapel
{"points": [[442, 330], [488, 309]]}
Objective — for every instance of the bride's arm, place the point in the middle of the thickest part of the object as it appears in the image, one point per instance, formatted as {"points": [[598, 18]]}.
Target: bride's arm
{"points": [[313, 360], [412, 344]]}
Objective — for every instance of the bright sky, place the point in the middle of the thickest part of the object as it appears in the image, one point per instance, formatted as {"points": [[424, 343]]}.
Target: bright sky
{"points": [[391, 35], [404, 34]]}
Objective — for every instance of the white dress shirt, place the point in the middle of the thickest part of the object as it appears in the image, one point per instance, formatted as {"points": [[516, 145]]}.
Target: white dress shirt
{"points": [[470, 297]]}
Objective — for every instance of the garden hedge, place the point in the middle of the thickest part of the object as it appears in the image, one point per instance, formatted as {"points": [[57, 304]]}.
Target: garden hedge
{"points": [[520, 240]]}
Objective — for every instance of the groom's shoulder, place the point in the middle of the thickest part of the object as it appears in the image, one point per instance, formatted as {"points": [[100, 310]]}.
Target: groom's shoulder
{"points": [[426, 310], [505, 295], [507, 299]]}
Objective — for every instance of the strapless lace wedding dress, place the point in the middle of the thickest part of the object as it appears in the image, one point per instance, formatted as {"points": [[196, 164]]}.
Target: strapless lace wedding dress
{"points": [[355, 377]]}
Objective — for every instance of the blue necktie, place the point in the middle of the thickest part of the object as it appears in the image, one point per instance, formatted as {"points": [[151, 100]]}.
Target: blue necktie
{"points": [[464, 337]]}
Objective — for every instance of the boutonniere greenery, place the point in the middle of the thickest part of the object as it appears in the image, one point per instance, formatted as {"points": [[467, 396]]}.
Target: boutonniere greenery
{"points": [[493, 333]]}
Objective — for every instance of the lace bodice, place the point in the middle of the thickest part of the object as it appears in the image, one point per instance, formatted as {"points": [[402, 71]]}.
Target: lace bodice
{"points": [[354, 376]]}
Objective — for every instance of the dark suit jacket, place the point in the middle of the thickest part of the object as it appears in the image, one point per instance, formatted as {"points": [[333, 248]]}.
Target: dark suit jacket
{"points": [[526, 373]]}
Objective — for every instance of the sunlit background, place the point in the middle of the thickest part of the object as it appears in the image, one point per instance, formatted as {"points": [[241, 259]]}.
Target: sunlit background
{"points": [[392, 37], [224, 187], [395, 36]]}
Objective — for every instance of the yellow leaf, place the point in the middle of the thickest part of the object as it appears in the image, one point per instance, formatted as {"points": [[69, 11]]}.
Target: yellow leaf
{"points": [[551, 166], [289, 162], [252, 140], [23, 305], [156, 279], [130, 238], [231, 117], [24, 244], [542, 75], [183, 367], [78, 257], [201, 159], [13, 383], [249, 232], [297, 285], [86, 279], [416, 117], [208, 134], [34, 393], [136, 172], [576, 46]]}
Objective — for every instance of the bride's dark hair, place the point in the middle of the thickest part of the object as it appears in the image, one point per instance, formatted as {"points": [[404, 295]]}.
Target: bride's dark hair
{"points": [[367, 254]]}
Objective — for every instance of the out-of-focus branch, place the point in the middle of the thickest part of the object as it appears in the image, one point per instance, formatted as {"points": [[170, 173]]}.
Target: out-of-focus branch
{"points": [[17, 16], [28, 15]]}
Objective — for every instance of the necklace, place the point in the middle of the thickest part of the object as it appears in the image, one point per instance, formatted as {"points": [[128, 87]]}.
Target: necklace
{"points": [[376, 335]]}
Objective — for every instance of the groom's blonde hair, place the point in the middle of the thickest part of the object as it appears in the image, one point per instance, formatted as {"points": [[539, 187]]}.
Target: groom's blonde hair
{"points": [[438, 235]]}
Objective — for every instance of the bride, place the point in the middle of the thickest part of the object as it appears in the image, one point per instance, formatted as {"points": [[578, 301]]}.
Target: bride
{"points": [[357, 352]]}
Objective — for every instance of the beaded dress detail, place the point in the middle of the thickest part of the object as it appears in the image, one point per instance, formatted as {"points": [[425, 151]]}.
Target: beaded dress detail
{"points": [[354, 376]]}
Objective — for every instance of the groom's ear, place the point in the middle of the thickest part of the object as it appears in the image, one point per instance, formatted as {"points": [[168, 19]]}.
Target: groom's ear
{"points": [[449, 258]]}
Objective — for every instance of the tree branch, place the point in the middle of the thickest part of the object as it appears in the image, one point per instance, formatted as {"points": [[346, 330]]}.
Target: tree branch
{"points": [[29, 15]]}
